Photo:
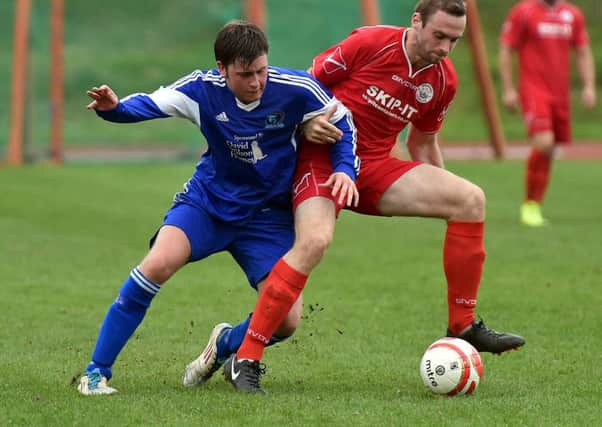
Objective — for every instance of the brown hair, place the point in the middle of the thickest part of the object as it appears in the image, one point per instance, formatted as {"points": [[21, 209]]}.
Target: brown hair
{"points": [[427, 8], [239, 41]]}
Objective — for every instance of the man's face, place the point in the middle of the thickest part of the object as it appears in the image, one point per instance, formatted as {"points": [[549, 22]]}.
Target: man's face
{"points": [[438, 37], [247, 82]]}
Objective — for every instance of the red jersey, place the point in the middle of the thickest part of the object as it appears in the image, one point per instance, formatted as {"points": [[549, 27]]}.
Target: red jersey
{"points": [[543, 36], [371, 74]]}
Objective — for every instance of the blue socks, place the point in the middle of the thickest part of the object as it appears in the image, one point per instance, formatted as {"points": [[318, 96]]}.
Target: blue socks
{"points": [[122, 319], [231, 339], [128, 311]]}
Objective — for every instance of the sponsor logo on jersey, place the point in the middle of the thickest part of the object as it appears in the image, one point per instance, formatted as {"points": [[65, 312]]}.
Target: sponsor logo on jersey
{"points": [[554, 30], [274, 120], [424, 93], [246, 148], [403, 82], [389, 104], [334, 61]]}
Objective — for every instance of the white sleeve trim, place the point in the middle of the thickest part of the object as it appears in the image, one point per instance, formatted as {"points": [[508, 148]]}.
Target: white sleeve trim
{"points": [[338, 115], [176, 104]]}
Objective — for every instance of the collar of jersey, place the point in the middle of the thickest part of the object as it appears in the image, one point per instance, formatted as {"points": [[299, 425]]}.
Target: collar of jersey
{"points": [[248, 107]]}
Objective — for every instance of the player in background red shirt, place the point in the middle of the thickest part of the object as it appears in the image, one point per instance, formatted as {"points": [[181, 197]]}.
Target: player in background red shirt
{"points": [[543, 32], [388, 77]]}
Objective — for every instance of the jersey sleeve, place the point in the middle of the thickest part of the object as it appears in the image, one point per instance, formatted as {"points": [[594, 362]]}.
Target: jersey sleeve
{"points": [[176, 100], [343, 153], [319, 100], [337, 62], [513, 28], [580, 36]]}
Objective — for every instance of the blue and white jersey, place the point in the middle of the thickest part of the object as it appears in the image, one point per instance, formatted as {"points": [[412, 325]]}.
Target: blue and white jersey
{"points": [[252, 150]]}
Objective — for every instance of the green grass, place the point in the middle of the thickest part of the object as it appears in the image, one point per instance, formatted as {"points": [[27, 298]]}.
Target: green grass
{"points": [[71, 234]]}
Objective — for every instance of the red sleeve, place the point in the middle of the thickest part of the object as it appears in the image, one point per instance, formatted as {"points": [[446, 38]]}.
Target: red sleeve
{"points": [[580, 36], [432, 122], [513, 27], [337, 62]]}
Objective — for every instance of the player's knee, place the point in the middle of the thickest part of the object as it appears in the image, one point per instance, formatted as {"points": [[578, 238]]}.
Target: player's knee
{"points": [[473, 204], [158, 268], [314, 246]]}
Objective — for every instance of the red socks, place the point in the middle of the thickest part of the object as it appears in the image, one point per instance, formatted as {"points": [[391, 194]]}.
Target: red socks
{"points": [[463, 258], [537, 175], [282, 288]]}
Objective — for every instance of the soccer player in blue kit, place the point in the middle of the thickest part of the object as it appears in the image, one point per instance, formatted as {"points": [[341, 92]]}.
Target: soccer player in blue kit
{"points": [[239, 197]]}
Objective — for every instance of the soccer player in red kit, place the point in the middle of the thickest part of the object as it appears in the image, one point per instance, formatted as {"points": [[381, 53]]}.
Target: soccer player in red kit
{"points": [[388, 77], [543, 33]]}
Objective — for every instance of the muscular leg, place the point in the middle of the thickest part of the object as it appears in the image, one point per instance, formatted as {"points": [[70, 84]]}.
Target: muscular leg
{"points": [[428, 191], [314, 227], [230, 339], [170, 252]]}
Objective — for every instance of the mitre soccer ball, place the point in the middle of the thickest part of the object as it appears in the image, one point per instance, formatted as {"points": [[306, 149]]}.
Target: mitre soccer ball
{"points": [[451, 366]]}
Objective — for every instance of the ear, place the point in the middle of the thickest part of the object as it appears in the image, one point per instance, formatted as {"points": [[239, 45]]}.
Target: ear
{"points": [[222, 68], [416, 20]]}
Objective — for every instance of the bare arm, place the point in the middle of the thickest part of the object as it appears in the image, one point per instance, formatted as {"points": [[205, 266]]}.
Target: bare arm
{"points": [[424, 147], [585, 66], [509, 93]]}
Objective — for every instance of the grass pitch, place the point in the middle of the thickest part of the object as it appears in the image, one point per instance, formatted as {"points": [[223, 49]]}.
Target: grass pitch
{"points": [[70, 236]]}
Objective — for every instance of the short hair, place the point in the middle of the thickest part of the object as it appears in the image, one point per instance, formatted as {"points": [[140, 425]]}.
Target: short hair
{"points": [[427, 8], [240, 41]]}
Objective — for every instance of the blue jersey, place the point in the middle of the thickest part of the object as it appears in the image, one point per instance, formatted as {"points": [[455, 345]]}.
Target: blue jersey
{"points": [[252, 150]]}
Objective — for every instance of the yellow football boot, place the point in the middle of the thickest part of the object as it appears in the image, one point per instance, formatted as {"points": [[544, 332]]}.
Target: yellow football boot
{"points": [[530, 214]]}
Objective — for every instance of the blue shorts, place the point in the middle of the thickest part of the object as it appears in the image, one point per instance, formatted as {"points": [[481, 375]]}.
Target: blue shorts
{"points": [[256, 245]]}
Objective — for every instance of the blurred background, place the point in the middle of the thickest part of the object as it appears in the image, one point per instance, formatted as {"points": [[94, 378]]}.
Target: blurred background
{"points": [[136, 46]]}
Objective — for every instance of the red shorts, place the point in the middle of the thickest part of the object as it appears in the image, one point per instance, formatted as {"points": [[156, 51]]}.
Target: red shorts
{"points": [[314, 168], [543, 112]]}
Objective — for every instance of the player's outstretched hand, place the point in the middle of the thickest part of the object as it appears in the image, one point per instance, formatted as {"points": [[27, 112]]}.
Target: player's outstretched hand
{"points": [[319, 130], [104, 99], [343, 185]]}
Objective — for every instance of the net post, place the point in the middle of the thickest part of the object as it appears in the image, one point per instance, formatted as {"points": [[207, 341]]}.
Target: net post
{"points": [[370, 12], [255, 12], [19, 81], [479, 56], [56, 80]]}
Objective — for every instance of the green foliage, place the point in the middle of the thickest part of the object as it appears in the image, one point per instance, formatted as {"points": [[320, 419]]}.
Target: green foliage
{"points": [[70, 236], [137, 46]]}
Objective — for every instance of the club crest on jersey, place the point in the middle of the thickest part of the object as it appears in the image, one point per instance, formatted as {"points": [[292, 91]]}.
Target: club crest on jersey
{"points": [[334, 61], [567, 16], [274, 120], [424, 93]]}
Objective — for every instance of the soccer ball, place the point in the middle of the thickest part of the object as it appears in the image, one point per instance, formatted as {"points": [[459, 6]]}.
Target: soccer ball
{"points": [[451, 366]]}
